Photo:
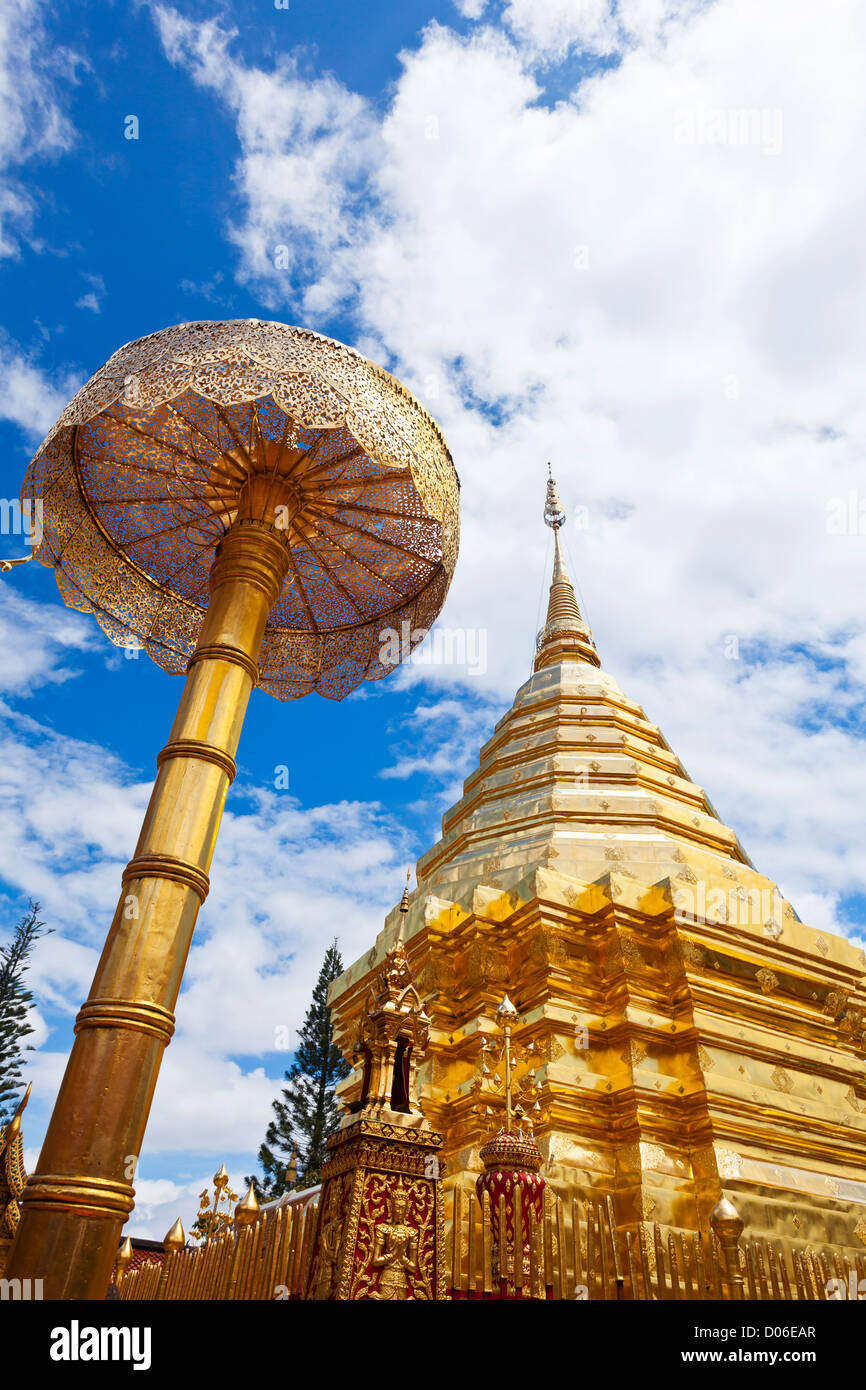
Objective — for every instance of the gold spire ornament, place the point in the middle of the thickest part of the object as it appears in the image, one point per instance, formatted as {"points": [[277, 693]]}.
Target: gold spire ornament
{"points": [[565, 635], [404, 901], [253, 504], [211, 1217], [517, 1085]]}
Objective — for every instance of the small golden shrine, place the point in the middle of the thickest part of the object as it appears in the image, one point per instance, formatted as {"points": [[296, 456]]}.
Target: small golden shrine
{"points": [[689, 1037], [380, 1228]]}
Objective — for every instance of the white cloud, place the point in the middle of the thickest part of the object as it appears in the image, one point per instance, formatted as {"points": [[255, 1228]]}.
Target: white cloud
{"points": [[306, 148], [37, 639], [32, 121], [92, 298], [551, 29], [30, 396]]}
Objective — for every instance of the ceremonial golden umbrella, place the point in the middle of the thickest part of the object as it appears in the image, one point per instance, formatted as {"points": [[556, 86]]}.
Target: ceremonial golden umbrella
{"points": [[252, 504]]}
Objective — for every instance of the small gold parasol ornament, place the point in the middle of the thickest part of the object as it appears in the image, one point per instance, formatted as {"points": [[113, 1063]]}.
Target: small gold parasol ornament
{"points": [[253, 504]]}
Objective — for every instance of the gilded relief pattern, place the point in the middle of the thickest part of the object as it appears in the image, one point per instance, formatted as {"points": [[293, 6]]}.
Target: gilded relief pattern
{"points": [[395, 1247]]}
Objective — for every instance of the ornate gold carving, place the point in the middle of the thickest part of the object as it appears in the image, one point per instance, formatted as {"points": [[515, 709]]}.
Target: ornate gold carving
{"points": [[704, 1058], [835, 1003], [860, 1229], [822, 945], [693, 952], [392, 1038], [767, 980], [850, 1022], [649, 1247], [325, 1268], [782, 1080], [729, 1162], [647, 1205], [652, 1155], [12, 1174], [631, 951], [396, 1256]]}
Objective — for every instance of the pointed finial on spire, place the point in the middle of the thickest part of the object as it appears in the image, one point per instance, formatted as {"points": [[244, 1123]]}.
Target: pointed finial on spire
{"points": [[565, 636], [404, 901], [554, 512]]}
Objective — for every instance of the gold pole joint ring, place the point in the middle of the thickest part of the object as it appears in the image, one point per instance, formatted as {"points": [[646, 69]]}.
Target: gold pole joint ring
{"points": [[196, 748], [99, 1197], [139, 1016], [167, 866], [234, 655]]}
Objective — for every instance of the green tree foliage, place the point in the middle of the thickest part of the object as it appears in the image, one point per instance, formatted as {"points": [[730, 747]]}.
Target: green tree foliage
{"points": [[15, 1001], [306, 1111]]}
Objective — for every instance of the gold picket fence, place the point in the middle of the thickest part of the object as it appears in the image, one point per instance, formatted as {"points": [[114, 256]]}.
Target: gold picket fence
{"points": [[262, 1261], [574, 1252]]}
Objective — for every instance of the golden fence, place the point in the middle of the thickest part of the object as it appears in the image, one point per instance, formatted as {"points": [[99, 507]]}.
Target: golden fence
{"points": [[577, 1252], [574, 1252], [262, 1261]]}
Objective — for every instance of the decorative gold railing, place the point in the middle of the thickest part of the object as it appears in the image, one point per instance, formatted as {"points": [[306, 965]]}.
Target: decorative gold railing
{"points": [[574, 1252], [259, 1262]]}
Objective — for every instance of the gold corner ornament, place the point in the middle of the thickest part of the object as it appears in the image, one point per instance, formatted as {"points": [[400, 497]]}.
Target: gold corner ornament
{"points": [[252, 504], [12, 1177], [155, 458]]}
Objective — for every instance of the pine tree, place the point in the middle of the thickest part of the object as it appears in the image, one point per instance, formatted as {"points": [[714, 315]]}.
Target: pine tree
{"points": [[306, 1111], [15, 1001]]}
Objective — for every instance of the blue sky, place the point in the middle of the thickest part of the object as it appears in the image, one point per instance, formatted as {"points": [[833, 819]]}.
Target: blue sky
{"points": [[624, 238]]}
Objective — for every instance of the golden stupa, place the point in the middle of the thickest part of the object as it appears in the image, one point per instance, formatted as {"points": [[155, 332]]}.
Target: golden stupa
{"points": [[690, 1036]]}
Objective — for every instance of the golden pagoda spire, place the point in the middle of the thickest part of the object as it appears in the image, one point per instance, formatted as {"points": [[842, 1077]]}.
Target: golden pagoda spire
{"points": [[565, 636]]}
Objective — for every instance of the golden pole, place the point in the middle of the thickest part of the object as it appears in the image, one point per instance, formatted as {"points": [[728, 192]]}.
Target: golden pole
{"points": [[507, 1013], [75, 1203]]}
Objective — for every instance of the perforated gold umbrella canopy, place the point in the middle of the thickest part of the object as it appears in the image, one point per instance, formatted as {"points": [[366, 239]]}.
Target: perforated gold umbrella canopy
{"points": [[144, 471]]}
